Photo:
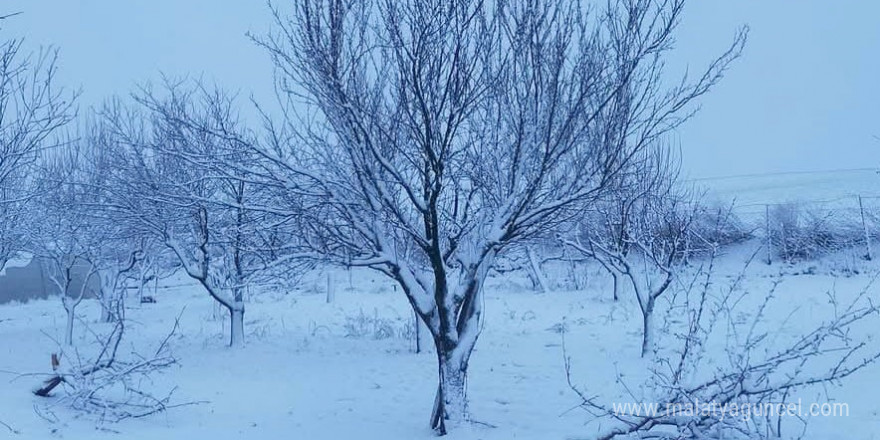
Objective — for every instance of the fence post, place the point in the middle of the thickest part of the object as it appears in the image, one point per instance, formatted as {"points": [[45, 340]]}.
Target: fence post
{"points": [[418, 331], [330, 293], [865, 229], [767, 234]]}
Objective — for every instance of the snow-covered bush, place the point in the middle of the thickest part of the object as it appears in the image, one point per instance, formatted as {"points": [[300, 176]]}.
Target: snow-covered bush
{"points": [[373, 326], [716, 226], [801, 233]]}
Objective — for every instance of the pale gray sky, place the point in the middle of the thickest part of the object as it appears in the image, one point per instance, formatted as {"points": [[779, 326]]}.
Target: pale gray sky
{"points": [[805, 95]]}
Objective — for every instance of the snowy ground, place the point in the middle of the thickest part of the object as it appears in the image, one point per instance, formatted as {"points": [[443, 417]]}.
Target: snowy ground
{"points": [[323, 371]]}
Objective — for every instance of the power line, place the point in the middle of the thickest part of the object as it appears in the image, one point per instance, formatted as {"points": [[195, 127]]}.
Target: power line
{"points": [[781, 173]]}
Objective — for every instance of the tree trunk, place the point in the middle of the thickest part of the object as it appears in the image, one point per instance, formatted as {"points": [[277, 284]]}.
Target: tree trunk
{"points": [[615, 285], [107, 293], [418, 334], [142, 281], [217, 310], [106, 307], [236, 327], [111, 304], [539, 280], [68, 331], [455, 328], [450, 403], [647, 328], [331, 293]]}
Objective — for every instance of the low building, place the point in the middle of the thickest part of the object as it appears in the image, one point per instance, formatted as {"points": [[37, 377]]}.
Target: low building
{"points": [[27, 278]]}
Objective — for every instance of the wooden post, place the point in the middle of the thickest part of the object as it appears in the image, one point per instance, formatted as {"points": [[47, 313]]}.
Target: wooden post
{"points": [[330, 293], [418, 332], [865, 229], [349, 268], [156, 282], [767, 234]]}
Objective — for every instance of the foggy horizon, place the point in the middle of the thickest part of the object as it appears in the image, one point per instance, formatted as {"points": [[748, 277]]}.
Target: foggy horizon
{"points": [[801, 97]]}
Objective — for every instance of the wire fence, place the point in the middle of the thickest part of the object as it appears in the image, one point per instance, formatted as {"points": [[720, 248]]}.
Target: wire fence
{"points": [[804, 214]]}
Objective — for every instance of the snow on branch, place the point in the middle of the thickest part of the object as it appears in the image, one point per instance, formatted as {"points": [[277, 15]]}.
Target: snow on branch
{"points": [[106, 384], [693, 390]]}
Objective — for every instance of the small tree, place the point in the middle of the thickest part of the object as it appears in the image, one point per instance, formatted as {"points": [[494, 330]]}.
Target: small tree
{"points": [[115, 243], [165, 179], [62, 239], [643, 239], [643, 232]]}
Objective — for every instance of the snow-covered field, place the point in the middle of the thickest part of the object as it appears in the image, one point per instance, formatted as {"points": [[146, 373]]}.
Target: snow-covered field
{"points": [[347, 369], [823, 190], [413, 219], [795, 186]]}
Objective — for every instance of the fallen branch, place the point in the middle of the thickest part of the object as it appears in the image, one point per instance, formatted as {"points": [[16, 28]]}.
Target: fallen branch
{"points": [[10, 428], [4, 17], [109, 385]]}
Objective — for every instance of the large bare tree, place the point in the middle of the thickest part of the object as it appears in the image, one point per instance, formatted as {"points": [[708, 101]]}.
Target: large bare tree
{"points": [[423, 138]]}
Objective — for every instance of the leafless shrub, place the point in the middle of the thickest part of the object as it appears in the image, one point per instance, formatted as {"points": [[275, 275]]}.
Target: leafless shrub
{"points": [[374, 326], [750, 370]]}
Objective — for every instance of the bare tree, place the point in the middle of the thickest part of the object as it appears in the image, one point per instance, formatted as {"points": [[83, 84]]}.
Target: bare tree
{"points": [[64, 267], [113, 244], [448, 131], [32, 108], [642, 232], [62, 238], [165, 180], [149, 270]]}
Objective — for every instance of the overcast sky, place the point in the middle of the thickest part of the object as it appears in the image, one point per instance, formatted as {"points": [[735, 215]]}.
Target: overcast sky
{"points": [[805, 95]]}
